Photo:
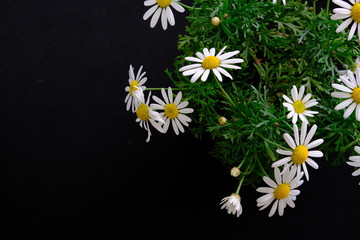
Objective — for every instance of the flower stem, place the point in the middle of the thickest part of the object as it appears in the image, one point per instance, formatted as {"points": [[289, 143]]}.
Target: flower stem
{"points": [[184, 5], [225, 94], [273, 143], [240, 183], [327, 6]]}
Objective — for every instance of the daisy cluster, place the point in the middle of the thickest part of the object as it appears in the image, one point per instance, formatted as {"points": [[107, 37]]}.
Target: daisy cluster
{"points": [[265, 79], [160, 114]]}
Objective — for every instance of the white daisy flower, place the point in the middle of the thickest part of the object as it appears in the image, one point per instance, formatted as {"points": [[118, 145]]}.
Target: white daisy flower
{"points": [[207, 60], [173, 110], [350, 12], [162, 7], [135, 88], [146, 114], [232, 204], [351, 91], [299, 153], [282, 190], [355, 162], [299, 105]]}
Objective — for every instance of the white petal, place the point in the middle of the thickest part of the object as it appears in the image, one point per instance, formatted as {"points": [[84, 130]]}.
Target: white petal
{"points": [[341, 95], [296, 135], [194, 59], [310, 134], [177, 6], [344, 104], [269, 182], [281, 162], [352, 30], [197, 75], [341, 88], [164, 19], [217, 74], [339, 16], [303, 133], [356, 173], [170, 16], [205, 75], [312, 163], [350, 110], [191, 66], [284, 152], [343, 11], [344, 24], [315, 154], [315, 143], [150, 12], [288, 99], [357, 149], [342, 4], [149, 2], [155, 17], [228, 55], [289, 140]]}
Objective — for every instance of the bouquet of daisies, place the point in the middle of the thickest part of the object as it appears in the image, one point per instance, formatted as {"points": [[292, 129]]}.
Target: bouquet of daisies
{"points": [[274, 84]]}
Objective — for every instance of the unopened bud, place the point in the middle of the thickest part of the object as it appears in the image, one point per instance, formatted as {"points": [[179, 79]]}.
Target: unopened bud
{"points": [[215, 21], [235, 172], [222, 120]]}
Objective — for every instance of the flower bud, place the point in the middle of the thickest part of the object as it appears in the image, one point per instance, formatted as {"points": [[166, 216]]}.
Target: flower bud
{"points": [[222, 120], [215, 21], [235, 172]]}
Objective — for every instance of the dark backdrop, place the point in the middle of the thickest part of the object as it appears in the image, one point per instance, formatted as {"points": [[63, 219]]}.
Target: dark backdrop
{"points": [[74, 163]]}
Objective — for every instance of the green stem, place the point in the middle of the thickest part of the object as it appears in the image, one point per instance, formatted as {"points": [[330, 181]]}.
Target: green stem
{"points": [[262, 168], [225, 94], [242, 162], [314, 6], [240, 183], [273, 143], [327, 6], [185, 6]]}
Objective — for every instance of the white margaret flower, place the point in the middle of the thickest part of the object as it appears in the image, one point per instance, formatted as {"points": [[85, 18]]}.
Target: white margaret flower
{"points": [[299, 153], [282, 191], [207, 60], [173, 110], [351, 91], [135, 88], [355, 161], [350, 12], [299, 105], [146, 114], [232, 204], [162, 7]]}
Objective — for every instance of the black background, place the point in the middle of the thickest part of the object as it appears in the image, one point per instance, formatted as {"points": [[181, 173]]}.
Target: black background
{"points": [[74, 163]]}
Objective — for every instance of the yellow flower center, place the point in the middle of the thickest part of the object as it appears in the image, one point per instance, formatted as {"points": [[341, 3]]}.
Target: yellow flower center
{"points": [[163, 3], [355, 12], [300, 154], [282, 191], [210, 62], [134, 85], [299, 106], [356, 95], [171, 111], [142, 112]]}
